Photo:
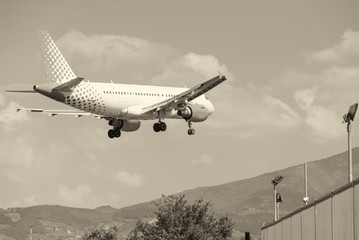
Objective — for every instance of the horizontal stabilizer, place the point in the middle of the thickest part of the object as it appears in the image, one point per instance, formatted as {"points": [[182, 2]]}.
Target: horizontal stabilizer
{"points": [[21, 91], [66, 87]]}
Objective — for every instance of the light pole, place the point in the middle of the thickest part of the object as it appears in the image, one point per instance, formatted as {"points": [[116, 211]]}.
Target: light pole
{"points": [[275, 182], [347, 119], [306, 198], [30, 226]]}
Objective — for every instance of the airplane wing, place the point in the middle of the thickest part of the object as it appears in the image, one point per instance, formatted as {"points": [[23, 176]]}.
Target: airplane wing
{"points": [[188, 95], [51, 113]]}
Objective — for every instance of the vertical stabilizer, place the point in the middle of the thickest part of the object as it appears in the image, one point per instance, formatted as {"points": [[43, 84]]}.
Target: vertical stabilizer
{"points": [[56, 68]]}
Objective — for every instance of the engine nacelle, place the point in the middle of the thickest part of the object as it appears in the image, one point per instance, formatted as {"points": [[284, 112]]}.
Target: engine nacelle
{"points": [[125, 125], [194, 113]]}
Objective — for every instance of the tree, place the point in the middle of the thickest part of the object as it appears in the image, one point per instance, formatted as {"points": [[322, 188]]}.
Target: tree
{"points": [[103, 233], [179, 220]]}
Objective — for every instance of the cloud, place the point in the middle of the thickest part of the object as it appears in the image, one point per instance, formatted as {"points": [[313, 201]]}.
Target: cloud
{"points": [[109, 57], [246, 111], [2, 100], [191, 68], [321, 97], [14, 176], [280, 113], [9, 116], [322, 120], [25, 202], [129, 179], [305, 98], [80, 196], [19, 153], [250, 112], [207, 65], [135, 60], [345, 50], [203, 159]]}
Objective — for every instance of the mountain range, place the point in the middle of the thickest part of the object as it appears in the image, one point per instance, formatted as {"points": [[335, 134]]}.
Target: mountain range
{"points": [[248, 202]]}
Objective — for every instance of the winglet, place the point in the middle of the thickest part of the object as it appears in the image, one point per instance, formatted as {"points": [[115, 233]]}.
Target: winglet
{"points": [[220, 75]]}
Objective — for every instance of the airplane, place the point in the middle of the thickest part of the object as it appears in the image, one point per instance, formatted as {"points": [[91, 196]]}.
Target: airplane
{"points": [[122, 105]]}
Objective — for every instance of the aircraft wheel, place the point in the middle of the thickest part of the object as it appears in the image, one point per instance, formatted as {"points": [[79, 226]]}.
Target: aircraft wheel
{"points": [[111, 133], [156, 127], [117, 133], [191, 131], [163, 126]]}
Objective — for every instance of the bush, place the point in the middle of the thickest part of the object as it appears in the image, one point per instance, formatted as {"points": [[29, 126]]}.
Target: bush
{"points": [[103, 233], [179, 220]]}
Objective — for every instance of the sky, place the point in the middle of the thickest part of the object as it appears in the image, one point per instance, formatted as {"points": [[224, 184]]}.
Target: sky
{"points": [[292, 69]]}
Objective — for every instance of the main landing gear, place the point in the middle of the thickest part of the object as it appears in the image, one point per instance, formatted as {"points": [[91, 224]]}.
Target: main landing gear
{"points": [[159, 126], [114, 133]]}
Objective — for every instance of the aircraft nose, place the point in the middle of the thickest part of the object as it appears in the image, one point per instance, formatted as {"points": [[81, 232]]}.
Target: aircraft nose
{"points": [[210, 107]]}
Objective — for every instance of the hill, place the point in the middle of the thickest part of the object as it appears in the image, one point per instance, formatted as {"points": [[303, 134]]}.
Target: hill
{"points": [[248, 202]]}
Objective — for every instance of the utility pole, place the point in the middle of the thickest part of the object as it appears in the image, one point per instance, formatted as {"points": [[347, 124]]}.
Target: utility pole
{"points": [[275, 182], [306, 198], [347, 119], [30, 232], [275, 203], [350, 159]]}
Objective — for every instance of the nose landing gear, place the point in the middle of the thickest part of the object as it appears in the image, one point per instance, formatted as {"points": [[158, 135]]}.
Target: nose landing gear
{"points": [[190, 131]]}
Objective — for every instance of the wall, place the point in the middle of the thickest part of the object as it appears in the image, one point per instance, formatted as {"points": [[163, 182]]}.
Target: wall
{"points": [[332, 217]]}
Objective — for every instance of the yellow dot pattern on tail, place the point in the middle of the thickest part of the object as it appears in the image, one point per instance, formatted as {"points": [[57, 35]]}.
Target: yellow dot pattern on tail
{"points": [[56, 68]]}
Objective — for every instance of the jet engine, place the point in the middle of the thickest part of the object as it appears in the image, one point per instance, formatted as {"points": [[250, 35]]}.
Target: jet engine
{"points": [[125, 125], [194, 113]]}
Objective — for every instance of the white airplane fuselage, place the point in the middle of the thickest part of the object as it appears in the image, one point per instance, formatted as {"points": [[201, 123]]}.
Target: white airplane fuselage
{"points": [[123, 101]]}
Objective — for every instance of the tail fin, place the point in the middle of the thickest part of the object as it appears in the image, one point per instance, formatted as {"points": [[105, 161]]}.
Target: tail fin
{"points": [[56, 68]]}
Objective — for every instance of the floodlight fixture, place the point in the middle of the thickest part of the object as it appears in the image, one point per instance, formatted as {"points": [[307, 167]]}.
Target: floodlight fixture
{"points": [[348, 117], [277, 180], [351, 113]]}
